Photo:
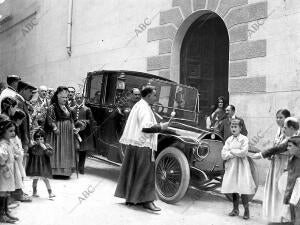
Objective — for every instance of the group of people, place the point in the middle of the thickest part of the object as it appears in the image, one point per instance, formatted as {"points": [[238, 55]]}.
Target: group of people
{"points": [[39, 138], [280, 186], [281, 204]]}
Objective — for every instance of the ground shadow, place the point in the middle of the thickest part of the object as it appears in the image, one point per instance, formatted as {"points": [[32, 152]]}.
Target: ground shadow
{"points": [[107, 173], [60, 177], [138, 208]]}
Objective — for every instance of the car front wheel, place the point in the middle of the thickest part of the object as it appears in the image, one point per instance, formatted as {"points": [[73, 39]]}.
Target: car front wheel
{"points": [[172, 175]]}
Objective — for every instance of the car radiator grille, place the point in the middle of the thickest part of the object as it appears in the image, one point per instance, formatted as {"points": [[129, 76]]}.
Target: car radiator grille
{"points": [[213, 162]]}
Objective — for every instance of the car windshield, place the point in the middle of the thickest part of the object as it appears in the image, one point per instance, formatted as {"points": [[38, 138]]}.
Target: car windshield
{"points": [[171, 96], [175, 97]]}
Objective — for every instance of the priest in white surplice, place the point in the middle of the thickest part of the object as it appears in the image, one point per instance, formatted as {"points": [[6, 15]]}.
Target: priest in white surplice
{"points": [[137, 178]]}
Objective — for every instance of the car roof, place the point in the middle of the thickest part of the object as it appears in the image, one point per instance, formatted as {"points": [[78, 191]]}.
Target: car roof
{"points": [[136, 73]]}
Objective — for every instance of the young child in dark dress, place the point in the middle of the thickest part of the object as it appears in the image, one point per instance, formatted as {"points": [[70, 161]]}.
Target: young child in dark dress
{"points": [[38, 165]]}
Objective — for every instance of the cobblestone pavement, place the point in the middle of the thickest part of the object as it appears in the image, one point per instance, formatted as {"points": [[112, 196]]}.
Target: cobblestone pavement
{"points": [[89, 200]]}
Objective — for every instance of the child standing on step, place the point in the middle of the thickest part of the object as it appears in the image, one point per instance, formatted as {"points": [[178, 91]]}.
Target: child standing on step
{"points": [[238, 178], [38, 165]]}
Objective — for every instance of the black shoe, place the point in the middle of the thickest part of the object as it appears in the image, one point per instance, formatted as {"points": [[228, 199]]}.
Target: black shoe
{"points": [[246, 214], [6, 219], [151, 206], [81, 171], [11, 217], [25, 198], [129, 203], [234, 212]]}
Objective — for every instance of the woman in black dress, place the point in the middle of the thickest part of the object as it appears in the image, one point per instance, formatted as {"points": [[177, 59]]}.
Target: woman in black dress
{"points": [[60, 133]]}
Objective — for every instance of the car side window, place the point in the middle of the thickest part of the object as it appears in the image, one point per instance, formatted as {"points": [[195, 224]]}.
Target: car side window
{"points": [[95, 90]]}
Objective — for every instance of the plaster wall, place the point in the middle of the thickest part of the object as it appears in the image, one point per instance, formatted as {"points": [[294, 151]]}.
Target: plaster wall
{"points": [[107, 36]]}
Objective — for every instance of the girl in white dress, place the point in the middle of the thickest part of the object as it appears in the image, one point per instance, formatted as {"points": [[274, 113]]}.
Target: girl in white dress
{"points": [[7, 182], [238, 178]]}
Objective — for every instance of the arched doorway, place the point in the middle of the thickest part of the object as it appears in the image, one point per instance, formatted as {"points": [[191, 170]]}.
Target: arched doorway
{"points": [[204, 57]]}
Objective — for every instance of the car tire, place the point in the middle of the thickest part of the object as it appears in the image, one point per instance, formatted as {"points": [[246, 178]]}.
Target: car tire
{"points": [[255, 174], [172, 175]]}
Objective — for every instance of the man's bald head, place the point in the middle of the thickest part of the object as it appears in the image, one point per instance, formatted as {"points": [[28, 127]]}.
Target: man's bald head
{"points": [[136, 91], [43, 91]]}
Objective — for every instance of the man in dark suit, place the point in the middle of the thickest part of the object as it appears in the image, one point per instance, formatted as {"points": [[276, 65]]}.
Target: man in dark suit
{"points": [[83, 119], [25, 91], [224, 127], [71, 99]]}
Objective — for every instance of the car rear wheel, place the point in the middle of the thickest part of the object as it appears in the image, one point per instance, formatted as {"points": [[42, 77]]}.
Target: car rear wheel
{"points": [[172, 175], [255, 175]]}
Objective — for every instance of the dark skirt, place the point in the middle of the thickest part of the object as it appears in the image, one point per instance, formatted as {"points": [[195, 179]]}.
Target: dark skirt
{"points": [[295, 211], [39, 165], [63, 158], [137, 177]]}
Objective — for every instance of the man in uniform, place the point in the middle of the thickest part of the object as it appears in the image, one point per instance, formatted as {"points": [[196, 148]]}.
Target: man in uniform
{"points": [[83, 119]]}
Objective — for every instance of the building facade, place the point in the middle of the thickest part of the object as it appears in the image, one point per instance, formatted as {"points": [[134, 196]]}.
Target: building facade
{"points": [[246, 50]]}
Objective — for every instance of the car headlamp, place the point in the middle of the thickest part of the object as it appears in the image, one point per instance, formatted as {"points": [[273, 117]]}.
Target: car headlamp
{"points": [[201, 151]]}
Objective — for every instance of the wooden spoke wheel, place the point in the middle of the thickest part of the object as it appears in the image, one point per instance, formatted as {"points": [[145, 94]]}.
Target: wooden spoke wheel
{"points": [[172, 175]]}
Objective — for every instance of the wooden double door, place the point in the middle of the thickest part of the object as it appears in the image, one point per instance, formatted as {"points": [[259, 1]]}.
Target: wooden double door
{"points": [[204, 61]]}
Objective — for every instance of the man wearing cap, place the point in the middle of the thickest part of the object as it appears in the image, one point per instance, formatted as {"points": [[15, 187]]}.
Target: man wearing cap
{"points": [[11, 90], [224, 127], [83, 120], [25, 91]]}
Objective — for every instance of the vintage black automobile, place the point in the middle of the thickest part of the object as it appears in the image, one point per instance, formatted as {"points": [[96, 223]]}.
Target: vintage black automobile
{"points": [[186, 155]]}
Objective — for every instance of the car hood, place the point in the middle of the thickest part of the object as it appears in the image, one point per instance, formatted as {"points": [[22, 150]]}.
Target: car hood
{"points": [[187, 133]]}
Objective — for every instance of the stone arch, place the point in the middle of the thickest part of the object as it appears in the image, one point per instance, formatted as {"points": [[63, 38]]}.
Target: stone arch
{"points": [[236, 14], [177, 43]]}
